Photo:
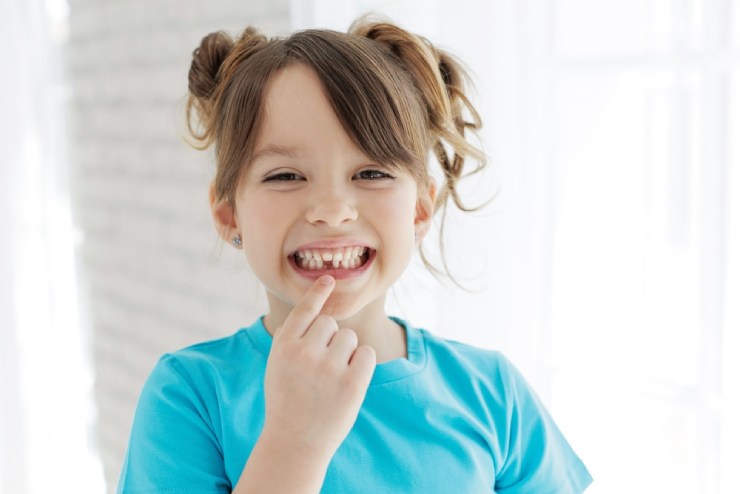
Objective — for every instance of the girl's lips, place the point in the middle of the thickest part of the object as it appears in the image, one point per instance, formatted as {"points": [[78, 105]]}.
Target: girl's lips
{"points": [[336, 273]]}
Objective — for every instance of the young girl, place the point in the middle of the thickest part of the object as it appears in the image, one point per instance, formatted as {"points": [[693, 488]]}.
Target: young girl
{"points": [[322, 141]]}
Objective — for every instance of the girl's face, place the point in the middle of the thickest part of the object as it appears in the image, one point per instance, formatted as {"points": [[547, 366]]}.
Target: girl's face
{"points": [[311, 203]]}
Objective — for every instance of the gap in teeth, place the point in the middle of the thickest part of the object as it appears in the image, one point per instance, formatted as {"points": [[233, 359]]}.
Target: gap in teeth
{"points": [[346, 258]]}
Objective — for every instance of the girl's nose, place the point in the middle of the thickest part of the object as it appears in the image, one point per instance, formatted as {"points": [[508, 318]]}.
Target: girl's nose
{"points": [[331, 210]]}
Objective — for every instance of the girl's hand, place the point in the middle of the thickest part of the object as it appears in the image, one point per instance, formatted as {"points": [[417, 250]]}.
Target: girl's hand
{"points": [[316, 379]]}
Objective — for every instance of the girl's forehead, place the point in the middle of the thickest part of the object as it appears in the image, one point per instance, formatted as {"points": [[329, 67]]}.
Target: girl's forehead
{"points": [[300, 122], [292, 92], [298, 117]]}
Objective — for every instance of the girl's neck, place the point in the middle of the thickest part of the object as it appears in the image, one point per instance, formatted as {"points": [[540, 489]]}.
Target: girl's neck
{"points": [[373, 327]]}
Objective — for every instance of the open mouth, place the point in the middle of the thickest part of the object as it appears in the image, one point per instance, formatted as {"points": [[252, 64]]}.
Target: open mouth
{"points": [[342, 259]]}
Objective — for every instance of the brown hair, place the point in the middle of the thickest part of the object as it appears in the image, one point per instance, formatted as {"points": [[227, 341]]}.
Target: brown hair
{"points": [[396, 95]]}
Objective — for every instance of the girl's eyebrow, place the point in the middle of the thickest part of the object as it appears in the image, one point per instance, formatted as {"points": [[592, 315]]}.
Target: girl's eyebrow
{"points": [[275, 150]]}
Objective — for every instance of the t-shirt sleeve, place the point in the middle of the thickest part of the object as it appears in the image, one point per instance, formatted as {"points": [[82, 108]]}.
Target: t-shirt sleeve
{"points": [[538, 457], [173, 447]]}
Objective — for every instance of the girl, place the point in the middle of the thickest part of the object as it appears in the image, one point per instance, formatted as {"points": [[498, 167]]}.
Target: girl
{"points": [[321, 142]]}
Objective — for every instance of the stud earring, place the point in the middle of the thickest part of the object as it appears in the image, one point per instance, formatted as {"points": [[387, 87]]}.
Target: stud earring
{"points": [[237, 240]]}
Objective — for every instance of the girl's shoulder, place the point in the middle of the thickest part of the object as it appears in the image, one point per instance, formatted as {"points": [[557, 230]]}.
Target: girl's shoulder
{"points": [[465, 353], [449, 358], [221, 356]]}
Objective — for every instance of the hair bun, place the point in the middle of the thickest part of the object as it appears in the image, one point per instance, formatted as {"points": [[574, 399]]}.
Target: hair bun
{"points": [[207, 60]]}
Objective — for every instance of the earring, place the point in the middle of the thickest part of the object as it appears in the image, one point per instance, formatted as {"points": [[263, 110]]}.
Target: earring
{"points": [[237, 240]]}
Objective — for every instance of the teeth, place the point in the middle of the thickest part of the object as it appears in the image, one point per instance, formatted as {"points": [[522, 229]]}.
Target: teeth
{"points": [[347, 258]]}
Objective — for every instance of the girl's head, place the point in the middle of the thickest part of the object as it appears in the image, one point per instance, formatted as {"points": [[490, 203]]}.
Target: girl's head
{"points": [[381, 98]]}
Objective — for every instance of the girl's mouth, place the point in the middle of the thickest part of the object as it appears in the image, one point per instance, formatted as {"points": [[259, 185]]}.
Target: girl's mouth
{"points": [[345, 262]]}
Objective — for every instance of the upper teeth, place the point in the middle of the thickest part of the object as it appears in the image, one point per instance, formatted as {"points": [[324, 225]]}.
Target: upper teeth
{"points": [[347, 257]]}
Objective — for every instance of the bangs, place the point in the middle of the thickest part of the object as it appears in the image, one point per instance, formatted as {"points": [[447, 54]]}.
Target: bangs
{"points": [[373, 98]]}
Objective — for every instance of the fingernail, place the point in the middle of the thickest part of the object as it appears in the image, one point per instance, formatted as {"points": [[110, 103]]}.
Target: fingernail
{"points": [[326, 280]]}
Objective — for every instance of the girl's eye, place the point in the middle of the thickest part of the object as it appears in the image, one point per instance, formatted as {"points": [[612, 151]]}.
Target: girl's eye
{"points": [[373, 175], [282, 177]]}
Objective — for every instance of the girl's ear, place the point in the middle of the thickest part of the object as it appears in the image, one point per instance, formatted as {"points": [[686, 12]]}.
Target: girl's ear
{"points": [[424, 211], [224, 215]]}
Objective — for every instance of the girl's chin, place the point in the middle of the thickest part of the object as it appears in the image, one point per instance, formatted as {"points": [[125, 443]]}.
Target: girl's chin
{"points": [[339, 306], [342, 307]]}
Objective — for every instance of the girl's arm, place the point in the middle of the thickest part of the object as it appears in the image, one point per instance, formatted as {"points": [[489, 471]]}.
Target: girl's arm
{"points": [[315, 382], [276, 467]]}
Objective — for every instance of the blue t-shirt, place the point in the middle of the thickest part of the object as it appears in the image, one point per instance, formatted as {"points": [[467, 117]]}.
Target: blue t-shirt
{"points": [[450, 418]]}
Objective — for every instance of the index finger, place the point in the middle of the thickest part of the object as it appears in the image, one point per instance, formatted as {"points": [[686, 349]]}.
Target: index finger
{"points": [[307, 308]]}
